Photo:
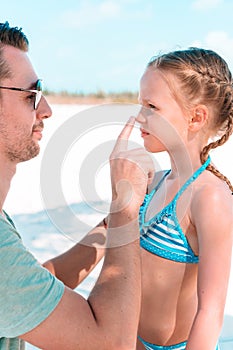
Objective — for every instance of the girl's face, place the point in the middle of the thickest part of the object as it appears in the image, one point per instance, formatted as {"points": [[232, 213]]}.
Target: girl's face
{"points": [[164, 125]]}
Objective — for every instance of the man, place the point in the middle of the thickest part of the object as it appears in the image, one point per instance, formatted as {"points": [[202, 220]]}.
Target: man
{"points": [[35, 305]]}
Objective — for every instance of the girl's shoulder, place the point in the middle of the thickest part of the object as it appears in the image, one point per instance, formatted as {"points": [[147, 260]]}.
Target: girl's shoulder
{"points": [[208, 183], [211, 194]]}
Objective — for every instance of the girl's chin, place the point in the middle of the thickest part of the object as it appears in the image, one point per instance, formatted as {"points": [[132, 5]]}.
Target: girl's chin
{"points": [[154, 149]]}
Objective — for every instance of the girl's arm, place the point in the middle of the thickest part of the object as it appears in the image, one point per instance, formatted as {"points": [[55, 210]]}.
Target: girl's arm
{"points": [[211, 212], [75, 264]]}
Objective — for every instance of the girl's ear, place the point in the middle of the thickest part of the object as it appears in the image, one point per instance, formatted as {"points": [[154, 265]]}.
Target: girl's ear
{"points": [[198, 118]]}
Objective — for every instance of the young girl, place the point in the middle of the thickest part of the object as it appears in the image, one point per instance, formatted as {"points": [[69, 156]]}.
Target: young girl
{"points": [[186, 218]]}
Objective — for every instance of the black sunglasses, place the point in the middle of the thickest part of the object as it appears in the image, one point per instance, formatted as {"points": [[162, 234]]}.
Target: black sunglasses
{"points": [[37, 91]]}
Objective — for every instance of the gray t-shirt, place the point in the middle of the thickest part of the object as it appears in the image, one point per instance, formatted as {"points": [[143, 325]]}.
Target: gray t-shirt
{"points": [[28, 292]]}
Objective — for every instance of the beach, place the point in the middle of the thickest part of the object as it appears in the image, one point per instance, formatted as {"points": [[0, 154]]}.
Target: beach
{"points": [[88, 143]]}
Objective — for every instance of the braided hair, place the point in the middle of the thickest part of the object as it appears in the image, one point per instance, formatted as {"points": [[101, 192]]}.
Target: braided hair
{"points": [[204, 78]]}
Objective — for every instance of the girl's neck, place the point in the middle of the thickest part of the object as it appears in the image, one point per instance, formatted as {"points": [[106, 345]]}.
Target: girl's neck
{"points": [[184, 163]]}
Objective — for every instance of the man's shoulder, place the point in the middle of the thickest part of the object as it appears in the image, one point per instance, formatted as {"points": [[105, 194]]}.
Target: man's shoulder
{"points": [[7, 228]]}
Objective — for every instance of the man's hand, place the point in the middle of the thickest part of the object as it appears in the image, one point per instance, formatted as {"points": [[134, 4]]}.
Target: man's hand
{"points": [[131, 172]]}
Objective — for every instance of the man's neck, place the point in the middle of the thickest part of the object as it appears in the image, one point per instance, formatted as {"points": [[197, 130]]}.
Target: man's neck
{"points": [[7, 171]]}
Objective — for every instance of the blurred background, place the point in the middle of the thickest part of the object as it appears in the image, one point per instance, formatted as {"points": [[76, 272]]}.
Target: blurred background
{"points": [[104, 45], [91, 52]]}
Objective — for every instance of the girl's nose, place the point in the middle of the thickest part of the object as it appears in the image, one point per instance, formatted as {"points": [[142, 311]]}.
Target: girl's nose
{"points": [[141, 117]]}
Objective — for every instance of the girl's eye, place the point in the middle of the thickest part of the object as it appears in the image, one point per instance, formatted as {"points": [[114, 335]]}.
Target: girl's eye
{"points": [[150, 105]]}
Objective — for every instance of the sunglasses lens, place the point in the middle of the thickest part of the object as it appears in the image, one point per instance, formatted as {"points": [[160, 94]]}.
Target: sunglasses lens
{"points": [[39, 85], [39, 93], [37, 99]]}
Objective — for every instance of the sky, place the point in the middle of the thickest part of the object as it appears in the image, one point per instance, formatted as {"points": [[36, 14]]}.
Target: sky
{"points": [[88, 46]]}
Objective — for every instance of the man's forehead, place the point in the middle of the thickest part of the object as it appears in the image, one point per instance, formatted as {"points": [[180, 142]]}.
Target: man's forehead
{"points": [[19, 64], [10, 52]]}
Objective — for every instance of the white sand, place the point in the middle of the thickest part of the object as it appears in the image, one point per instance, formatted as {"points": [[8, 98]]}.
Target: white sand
{"points": [[25, 190]]}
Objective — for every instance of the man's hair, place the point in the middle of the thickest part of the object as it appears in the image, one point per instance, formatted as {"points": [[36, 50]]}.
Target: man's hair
{"points": [[12, 36]]}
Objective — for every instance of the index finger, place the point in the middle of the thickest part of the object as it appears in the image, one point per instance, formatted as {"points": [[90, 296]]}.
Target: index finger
{"points": [[122, 140]]}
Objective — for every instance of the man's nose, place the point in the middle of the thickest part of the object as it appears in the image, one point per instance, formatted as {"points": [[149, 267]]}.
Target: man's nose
{"points": [[43, 110]]}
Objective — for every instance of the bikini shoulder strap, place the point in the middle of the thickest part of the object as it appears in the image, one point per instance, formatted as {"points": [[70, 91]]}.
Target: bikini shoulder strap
{"points": [[192, 178]]}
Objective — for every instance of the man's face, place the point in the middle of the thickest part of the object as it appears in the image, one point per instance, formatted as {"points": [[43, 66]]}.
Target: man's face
{"points": [[20, 124]]}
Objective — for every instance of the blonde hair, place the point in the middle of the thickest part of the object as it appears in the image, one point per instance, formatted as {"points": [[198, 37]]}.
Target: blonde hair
{"points": [[204, 78]]}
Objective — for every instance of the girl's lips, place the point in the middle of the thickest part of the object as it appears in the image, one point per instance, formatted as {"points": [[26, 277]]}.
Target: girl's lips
{"points": [[144, 133]]}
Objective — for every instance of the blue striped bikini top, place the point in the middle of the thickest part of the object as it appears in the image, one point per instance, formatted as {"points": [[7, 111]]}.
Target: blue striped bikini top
{"points": [[162, 235]]}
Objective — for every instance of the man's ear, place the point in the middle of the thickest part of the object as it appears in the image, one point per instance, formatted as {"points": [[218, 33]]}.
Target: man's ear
{"points": [[198, 118]]}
